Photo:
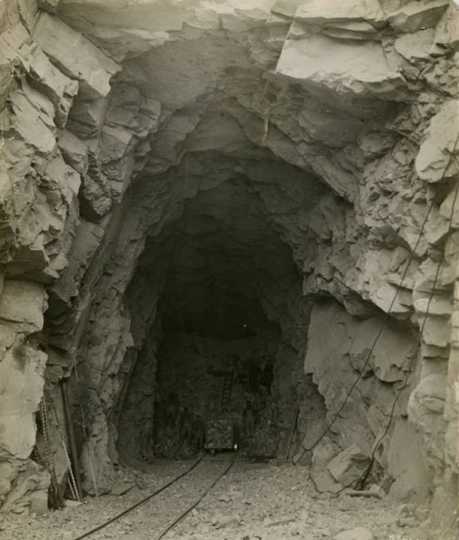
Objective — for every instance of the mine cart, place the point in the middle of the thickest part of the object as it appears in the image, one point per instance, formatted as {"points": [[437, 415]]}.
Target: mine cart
{"points": [[220, 434]]}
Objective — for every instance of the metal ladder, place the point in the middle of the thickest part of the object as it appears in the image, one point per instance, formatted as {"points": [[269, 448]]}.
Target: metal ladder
{"points": [[227, 391]]}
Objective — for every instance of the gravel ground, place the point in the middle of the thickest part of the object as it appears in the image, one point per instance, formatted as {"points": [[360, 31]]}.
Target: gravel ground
{"points": [[252, 502]]}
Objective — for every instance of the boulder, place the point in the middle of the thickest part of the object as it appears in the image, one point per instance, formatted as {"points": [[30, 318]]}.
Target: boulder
{"points": [[21, 389], [15, 46], [88, 237], [23, 304], [115, 141], [74, 150], [63, 180], [33, 119], [95, 197], [320, 12], [28, 10], [345, 68], [348, 465], [447, 31], [415, 46], [59, 88], [87, 117], [433, 162], [429, 396], [450, 211], [436, 331], [7, 475], [30, 489], [436, 304], [406, 463], [417, 15], [90, 66], [426, 409]]}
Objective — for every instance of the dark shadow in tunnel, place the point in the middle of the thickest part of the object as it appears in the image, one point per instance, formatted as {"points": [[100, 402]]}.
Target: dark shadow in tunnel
{"points": [[210, 361]]}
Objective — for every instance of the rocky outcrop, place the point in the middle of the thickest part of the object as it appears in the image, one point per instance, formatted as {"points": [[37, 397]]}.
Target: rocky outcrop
{"points": [[339, 350], [324, 135]]}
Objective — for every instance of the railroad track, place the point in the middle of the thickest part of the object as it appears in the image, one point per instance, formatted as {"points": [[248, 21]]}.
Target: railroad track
{"points": [[180, 482]]}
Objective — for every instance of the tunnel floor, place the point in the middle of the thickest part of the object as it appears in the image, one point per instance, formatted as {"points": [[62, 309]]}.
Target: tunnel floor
{"points": [[254, 501]]}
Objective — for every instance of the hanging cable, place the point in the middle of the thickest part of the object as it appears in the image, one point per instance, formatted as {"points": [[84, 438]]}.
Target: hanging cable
{"points": [[373, 345], [382, 328], [360, 484]]}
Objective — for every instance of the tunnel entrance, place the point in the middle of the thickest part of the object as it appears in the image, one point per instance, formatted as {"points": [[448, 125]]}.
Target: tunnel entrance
{"points": [[228, 226], [216, 394], [214, 356]]}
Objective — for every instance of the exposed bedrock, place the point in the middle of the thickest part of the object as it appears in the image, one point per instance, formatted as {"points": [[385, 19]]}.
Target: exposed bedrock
{"points": [[193, 193]]}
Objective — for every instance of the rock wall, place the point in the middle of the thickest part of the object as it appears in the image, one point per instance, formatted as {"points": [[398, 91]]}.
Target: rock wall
{"points": [[341, 122], [339, 351]]}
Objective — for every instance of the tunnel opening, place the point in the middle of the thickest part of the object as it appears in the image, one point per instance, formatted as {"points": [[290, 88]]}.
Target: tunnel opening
{"points": [[217, 354], [241, 306], [207, 229], [215, 394]]}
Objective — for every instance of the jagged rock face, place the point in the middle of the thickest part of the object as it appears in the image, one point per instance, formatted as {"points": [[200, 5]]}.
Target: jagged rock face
{"points": [[198, 165]]}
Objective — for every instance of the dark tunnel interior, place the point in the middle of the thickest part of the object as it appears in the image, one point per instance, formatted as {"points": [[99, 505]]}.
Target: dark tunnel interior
{"points": [[214, 359]]}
